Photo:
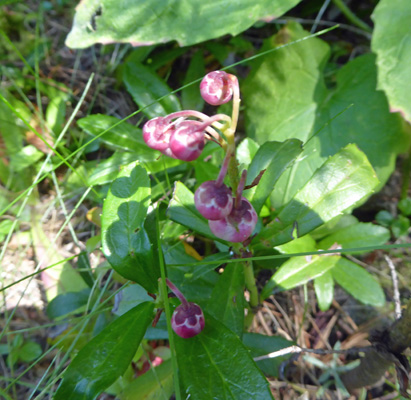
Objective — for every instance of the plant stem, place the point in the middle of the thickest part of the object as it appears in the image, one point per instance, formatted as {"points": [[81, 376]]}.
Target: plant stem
{"points": [[351, 16], [164, 294], [250, 284]]}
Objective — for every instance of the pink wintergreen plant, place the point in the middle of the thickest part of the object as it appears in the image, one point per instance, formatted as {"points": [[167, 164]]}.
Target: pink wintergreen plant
{"points": [[187, 141], [213, 199], [240, 223], [157, 132], [188, 318], [216, 88]]}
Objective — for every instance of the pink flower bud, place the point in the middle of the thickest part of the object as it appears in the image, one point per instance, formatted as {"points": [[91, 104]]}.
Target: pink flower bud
{"points": [[213, 201], [216, 88], [157, 133], [238, 225], [187, 141], [187, 321]]}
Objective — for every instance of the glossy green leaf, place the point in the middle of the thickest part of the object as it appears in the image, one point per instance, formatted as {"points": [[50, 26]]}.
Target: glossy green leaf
{"points": [[392, 44], [324, 290], [147, 87], [274, 158], [106, 357], [216, 365], [404, 206], [130, 297], [345, 179], [260, 345], [107, 170], [384, 218], [190, 96], [227, 300], [67, 303], [285, 97], [124, 136], [298, 245], [125, 242], [24, 158], [182, 209], [358, 235], [297, 271], [358, 282], [334, 225], [159, 21], [155, 384], [400, 226], [246, 151]]}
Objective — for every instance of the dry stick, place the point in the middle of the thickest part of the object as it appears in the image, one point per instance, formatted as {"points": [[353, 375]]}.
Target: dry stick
{"points": [[394, 277]]}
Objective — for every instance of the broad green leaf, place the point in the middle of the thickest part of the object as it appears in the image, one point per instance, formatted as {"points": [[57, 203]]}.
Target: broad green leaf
{"points": [[124, 240], [359, 235], [25, 157], [196, 281], [391, 41], [298, 245], [147, 87], [334, 225], [281, 92], [106, 357], [159, 21], [155, 384], [274, 158], [384, 218], [227, 300], [285, 97], [124, 136], [130, 297], [358, 283], [260, 345], [400, 226], [216, 365], [107, 170], [345, 179], [67, 303], [190, 96], [182, 209], [404, 206], [29, 351], [297, 271], [56, 113], [246, 151], [324, 290]]}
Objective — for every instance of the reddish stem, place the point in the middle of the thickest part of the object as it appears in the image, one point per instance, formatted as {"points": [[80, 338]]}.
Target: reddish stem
{"points": [[177, 292], [240, 189], [223, 170]]}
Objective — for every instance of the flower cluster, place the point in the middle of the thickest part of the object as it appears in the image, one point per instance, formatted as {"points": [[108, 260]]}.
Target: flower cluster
{"points": [[182, 135]]}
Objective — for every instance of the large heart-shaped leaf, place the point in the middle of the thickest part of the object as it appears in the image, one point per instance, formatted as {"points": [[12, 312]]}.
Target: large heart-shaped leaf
{"points": [[125, 242], [285, 97], [216, 365], [106, 357], [391, 41], [159, 21], [339, 184]]}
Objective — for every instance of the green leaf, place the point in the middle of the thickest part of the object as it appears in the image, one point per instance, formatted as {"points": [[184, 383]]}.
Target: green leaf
{"points": [[324, 290], [391, 42], [186, 21], [400, 226], [181, 209], [216, 365], [130, 297], [285, 97], [246, 151], [124, 136], [124, 239], [298, 245], [25, 157], [384, 218], [345, 179], [29, 351], [106, 357], [405, 206], [260, 345], [67, 303], [227, 300], [147, 87], [107, 170], [358, 282], [155, 384], [359, 235], [297, 271], [274, 158], [190, 96]]}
